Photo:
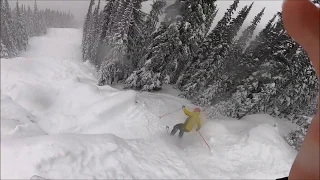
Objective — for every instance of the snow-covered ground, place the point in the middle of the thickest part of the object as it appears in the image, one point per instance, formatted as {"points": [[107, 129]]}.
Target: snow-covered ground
{"points": [[57, 123]]}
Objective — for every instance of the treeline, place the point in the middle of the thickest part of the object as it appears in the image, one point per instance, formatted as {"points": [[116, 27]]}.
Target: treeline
{"points": [[21, 23], [230, 74]]}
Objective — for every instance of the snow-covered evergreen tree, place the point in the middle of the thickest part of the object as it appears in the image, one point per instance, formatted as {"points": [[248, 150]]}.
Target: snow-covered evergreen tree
{"points": [[21, 32], [250, 83], [175, 41], [296, 138], [198, 16], [140, 43], [232, 59], [157, 9], [29, 22], [4, 52], [116, 57], [219, 54], [166, 42], [211, 12], [219, 73], [97, 30], [123, 26], [195, 76], [87, 33], [36, 21], [136, 36], [8, 31], [299, 95], [282, 83], [239, 45], [221, 28], [43, 24], [105, 30]]}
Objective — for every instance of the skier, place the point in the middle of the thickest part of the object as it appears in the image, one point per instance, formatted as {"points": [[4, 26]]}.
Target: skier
{"points": [[191, 121]]}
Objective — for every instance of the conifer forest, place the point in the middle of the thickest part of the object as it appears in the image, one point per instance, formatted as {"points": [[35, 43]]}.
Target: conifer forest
{"points": [[227, 71], [21, 23]]}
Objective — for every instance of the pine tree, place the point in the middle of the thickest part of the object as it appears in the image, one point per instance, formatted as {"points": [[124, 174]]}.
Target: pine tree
{"points": [[232, 63], [211, 12], [149, 77], [87, 34], [277, 84], [217, 58], [97, 35], [251, 84], [141, 43], [222, 27], [21, 33], [4, 52], [248, 32], [239, 45], [88, 17], [103, 44], [36, 20], [299, 86], [42, 23], [153, 17], [8, 31], [296, 138], [194, 76], [198, 16], [3, 49], [249, 61], [24, 17], [174, 43], [136, 36], [123, 31], [217, 74], [29, 20], [115, 65]]}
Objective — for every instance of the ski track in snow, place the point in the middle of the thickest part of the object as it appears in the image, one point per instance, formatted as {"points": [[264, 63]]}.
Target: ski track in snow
{"points": [[57, 123]]}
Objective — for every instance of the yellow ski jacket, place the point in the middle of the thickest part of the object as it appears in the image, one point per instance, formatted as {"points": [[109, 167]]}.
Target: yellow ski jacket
{"points": [[192, 120]]}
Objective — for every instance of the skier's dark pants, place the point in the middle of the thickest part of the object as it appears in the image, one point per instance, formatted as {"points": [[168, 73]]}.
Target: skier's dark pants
{"points": [[179, 127]]}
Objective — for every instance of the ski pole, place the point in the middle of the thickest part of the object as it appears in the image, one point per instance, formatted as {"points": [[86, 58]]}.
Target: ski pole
{"points": [[204, 140], [169, 113]]}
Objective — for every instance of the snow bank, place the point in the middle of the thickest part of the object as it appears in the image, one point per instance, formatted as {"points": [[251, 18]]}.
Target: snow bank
{"points": [[17, 121], [246, 151], [89, 157], [283, 126]]}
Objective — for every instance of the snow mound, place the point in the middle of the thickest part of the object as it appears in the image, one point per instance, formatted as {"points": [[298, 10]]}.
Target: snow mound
{"points": [[58, 124], [17, 121]]}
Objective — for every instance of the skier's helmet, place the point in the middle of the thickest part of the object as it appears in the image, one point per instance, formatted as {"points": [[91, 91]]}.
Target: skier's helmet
{"points": [[196, 110]]}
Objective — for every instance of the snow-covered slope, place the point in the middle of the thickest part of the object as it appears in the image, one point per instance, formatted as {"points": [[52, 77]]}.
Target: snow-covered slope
{"points": [[57, 123]]}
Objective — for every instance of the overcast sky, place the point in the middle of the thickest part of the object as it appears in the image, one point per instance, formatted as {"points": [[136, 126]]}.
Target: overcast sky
{"points": [[80, 7]]}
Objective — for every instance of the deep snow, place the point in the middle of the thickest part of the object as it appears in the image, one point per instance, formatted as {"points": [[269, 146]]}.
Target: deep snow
{"points": [[57, 123]]}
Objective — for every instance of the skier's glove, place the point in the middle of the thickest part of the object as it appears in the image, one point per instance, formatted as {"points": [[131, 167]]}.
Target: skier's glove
{"points": [[183, 106], [198, 129]]}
